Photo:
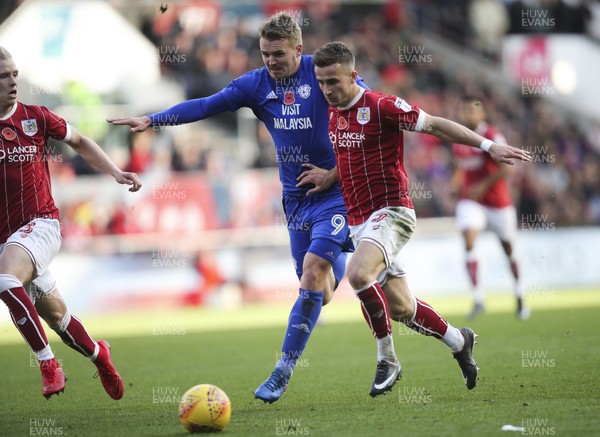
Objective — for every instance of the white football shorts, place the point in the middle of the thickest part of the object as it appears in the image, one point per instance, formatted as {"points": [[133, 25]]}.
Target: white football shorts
{"points": [[41, 239], [474, 215], [389, 229]]}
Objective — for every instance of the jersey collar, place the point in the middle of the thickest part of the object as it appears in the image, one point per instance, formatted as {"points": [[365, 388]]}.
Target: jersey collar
{"points": [[10, 113], [356, 98]]}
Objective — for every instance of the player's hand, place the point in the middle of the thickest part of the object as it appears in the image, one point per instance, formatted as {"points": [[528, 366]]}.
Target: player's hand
{"points": [[138, 124], [127, 178], [506, 154], [322, 179]]}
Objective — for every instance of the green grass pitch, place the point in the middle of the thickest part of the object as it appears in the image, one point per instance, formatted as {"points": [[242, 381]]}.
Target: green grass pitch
{"points": [[541, 375]]}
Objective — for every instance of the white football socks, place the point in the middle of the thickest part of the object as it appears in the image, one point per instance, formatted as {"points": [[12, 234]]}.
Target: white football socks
{"points": [[454, 339], [385, 349], [44, 354]]}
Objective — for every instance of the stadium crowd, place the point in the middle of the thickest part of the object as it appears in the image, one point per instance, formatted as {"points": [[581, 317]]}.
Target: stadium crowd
{"points": [[561, 188]]}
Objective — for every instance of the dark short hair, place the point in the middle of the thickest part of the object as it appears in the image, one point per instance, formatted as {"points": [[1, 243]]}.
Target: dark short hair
{"points": [[474, 99], [281, 26], [334, 53]]}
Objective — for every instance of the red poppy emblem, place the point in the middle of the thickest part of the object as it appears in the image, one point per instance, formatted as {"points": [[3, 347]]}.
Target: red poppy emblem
{"points": [[289, 98], [342, 123], [9, 134]]}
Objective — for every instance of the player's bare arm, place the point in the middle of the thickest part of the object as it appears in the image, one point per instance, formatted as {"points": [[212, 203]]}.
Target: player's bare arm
{"points": [[322, 179], [137, 124], [480, 188], [453, 132], [94, 155]]}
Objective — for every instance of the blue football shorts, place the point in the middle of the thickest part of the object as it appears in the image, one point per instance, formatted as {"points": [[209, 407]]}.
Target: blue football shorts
{"points": [[318, 224]]}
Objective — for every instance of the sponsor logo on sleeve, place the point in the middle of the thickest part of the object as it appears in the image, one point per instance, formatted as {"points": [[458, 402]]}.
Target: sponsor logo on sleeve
{"points": [[401, 104]]}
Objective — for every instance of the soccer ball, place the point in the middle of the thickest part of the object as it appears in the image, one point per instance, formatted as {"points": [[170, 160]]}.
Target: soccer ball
{"points": [[204, 408]]}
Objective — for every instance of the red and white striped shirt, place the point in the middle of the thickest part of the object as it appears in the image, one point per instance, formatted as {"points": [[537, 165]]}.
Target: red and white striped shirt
{"points": [[476, 165], [368, 142], [25, 188]]}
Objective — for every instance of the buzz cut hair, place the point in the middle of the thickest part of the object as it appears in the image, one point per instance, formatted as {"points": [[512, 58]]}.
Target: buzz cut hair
{"points": [[334, 53], [281, 26], [4, 54]]}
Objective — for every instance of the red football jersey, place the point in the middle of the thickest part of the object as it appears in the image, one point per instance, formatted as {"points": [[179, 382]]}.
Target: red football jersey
{"points": [[25, 187], [476, 165], [368, 142]]}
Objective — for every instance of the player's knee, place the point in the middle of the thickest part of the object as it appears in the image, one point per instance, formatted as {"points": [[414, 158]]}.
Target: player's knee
{"points": [[316, 275], [310, 279], [359, 277], [469, 240]]}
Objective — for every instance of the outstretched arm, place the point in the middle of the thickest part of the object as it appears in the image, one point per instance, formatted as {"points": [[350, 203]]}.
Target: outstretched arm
{"points": [[137, 124], [185, 112], [450, 131], [94, 155]]}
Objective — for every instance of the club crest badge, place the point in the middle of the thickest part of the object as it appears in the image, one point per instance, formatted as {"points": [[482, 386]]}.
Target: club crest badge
{"points": [[304, 91], [29, 127], [363, 115]]}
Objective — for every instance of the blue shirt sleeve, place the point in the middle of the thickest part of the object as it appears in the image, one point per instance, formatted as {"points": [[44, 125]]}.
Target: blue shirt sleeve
{"points": [[361, 82], [231, 98], [191, 110]]}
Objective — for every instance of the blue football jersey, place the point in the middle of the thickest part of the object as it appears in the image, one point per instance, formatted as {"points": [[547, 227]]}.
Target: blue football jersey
{"points": [[295, 113], [293, 110]]}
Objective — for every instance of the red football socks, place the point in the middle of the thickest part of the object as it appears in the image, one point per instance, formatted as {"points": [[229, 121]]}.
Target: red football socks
{"points": [[375, 310]]}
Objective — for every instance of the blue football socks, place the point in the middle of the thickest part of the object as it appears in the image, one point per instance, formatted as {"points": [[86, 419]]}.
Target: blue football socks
{"points": [[303, 318]]}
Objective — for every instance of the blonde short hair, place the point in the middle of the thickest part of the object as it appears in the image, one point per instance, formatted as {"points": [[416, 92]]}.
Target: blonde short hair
{"points": [[4, 54], [281, 26]]}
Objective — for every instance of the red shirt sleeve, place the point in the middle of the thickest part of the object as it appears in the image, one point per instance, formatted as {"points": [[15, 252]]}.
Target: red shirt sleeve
{"points": [[402, 114], [55, 126]]}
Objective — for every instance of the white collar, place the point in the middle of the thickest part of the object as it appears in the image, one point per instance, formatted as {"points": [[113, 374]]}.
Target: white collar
{"points": [[356, 98], [10, 113]]}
